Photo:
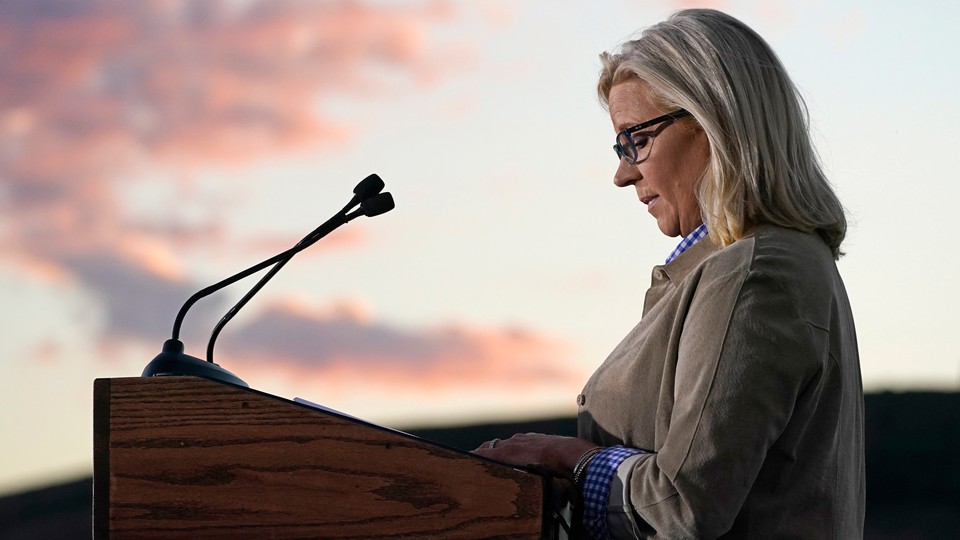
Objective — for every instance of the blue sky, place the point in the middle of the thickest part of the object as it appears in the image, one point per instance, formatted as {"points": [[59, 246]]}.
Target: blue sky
{"points": [[149, 151]]}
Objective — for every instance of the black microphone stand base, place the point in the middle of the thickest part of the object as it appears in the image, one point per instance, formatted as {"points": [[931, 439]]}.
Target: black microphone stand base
{"points": [[173, 362]]}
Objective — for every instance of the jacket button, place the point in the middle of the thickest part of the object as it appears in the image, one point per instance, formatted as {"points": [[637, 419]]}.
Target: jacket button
{"points": [[581, 399]]}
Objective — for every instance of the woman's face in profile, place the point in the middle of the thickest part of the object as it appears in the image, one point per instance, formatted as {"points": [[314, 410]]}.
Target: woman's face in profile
{"points": [[666, 180]]}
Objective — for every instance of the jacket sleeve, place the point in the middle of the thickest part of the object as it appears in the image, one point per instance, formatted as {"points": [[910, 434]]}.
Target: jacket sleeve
{"points": [[743, 357]]}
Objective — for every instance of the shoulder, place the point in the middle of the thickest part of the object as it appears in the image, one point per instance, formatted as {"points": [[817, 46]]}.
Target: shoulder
{"points": [[793, 266], [792, 270], [776, 251]]}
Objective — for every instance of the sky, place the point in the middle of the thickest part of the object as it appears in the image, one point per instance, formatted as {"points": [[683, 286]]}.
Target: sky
{"points": [[149, 149]]}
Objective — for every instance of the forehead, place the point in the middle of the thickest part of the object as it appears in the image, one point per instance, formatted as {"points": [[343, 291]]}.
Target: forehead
{"points": [[630, 103]]}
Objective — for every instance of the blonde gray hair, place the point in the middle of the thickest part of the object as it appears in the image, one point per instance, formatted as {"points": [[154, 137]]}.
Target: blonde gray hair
{"points": [[763, 167]]}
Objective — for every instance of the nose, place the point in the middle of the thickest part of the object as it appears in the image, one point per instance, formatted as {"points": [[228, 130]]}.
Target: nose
{"points": [[626, 174]]}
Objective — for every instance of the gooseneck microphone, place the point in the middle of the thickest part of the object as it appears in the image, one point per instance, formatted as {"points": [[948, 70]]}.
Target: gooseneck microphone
{"points": [[379, 201], [173, 361]]}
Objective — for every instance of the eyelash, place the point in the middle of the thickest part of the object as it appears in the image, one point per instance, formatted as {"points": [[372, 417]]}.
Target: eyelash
{"points": [[640, 141]]}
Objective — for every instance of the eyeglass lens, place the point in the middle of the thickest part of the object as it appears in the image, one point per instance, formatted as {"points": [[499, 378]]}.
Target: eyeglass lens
{"points": [[635, 146]]}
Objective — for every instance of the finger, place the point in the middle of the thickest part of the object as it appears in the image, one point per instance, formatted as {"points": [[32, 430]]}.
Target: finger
{"points": [[489, 445]]}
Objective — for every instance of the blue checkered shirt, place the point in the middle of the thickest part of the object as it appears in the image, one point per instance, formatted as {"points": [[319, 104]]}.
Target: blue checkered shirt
{"points": [[688, 241], [603, 466], [596, 488]]}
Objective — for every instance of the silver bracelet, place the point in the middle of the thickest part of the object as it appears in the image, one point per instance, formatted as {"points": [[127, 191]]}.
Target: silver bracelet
{"points": [[583, 463]]}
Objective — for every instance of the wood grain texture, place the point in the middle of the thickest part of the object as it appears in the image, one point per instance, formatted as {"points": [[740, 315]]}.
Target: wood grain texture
{"points": [[190, 458]]}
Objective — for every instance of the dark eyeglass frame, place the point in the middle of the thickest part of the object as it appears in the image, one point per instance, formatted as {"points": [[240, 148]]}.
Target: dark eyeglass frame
{"points": [[631, 153]]}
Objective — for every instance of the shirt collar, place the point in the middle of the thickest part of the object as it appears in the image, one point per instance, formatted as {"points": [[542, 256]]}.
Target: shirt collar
{"points": [[688, 241]]}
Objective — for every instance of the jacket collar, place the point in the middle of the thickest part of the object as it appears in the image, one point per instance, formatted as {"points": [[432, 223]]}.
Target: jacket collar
{"points": [[667, 277], [677, 269]]}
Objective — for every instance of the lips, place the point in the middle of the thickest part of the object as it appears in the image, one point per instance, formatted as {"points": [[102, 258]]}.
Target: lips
{"points": [[650, 200]]}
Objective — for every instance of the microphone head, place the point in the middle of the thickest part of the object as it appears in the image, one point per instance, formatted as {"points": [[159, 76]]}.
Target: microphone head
{"points": [[368, 187], [378, 204]]}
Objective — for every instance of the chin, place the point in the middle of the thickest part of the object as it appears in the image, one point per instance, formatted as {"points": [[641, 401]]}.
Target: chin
{"points": [[671, 231]]}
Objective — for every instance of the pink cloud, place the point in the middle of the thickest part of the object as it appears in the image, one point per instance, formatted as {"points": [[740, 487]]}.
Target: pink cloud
{"points": [[347, 343], [356, 235], [498, 14], [95, 92], [197, 80], [48, 351]]}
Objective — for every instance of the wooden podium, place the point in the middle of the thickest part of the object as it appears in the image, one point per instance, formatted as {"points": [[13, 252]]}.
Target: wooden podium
{"points": [[184, 457]]}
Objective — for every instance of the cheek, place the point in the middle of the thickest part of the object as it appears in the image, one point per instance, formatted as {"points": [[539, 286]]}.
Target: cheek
{"points": [[681, 184], [681, 192], [690, 170]]}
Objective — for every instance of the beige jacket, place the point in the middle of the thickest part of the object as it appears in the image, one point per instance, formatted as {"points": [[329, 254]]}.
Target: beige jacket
{"points": [[742, 381]]}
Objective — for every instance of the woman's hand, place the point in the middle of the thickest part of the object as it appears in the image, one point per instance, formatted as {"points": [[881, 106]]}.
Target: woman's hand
{"points": [[552, 452]]}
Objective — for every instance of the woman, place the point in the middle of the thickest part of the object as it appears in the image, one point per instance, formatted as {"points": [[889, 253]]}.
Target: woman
{"points": [[735, 407]]}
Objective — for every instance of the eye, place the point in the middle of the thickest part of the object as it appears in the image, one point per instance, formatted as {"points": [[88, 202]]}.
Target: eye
{"points": [[641, 141]]}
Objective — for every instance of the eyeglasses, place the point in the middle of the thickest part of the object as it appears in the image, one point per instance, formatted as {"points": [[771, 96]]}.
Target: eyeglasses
{"points": [[634, 145]]}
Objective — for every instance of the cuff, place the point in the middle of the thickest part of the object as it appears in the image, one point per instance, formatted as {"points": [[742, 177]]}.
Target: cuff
{"points": [[621, 522], [596, 488]]}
